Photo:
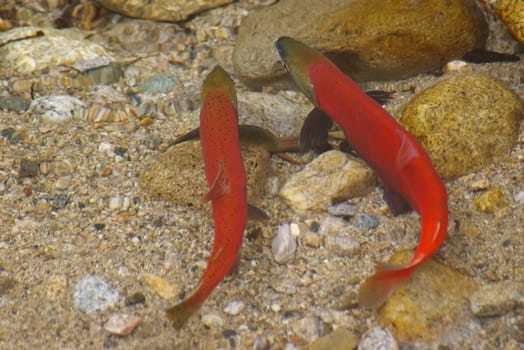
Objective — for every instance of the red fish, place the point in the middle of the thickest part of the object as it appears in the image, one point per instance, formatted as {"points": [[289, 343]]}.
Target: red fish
{"points": [[226, 177], [409, 179]]}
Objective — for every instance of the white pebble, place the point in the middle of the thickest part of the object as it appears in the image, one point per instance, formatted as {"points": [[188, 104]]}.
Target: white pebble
{"points": [[284, 244], [115, 202], [276, 307], [234, 307]]}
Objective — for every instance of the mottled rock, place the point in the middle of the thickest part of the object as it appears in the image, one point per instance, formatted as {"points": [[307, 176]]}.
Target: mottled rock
{"points": [[178, 175], [281, 115], [27, 49], [157, 84], [122, 324], [92, 293], [29, 168], [378, 338], [14, 103], [366, 222], [342, 209], [308, 328], [332, 177], [141, 36], [342, 245], [433, 303], [339, 339], [56, 108], [369, 39], [491, 201], [511, 12], [161, 10], [496, 299], [284, 244], [460, 123]]}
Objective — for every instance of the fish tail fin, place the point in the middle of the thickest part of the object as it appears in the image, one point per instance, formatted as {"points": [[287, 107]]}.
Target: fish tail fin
{"points": [[376, 289], [180, 313]]}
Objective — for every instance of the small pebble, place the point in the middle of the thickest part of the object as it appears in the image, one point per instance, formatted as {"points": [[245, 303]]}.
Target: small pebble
{"points": [[496, 299], [378, 338], [342, 245], [93, 293], [366, 222], [99, 226], [313, 240], [121, 324], [29, 168], [165, 289], [519, 197], [284, 244], [480, 185], [115, 202], [135, 298], [11, 135], [276, 307], [234, 307], [213, 320]]}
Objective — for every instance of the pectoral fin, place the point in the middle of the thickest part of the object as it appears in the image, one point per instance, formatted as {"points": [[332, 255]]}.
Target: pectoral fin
{"points": [[381, 97], [255, 213], [315, 129], [220, 186]]}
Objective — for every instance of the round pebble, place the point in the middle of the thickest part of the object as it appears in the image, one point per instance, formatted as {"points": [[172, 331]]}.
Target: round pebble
{"points": [[378, 338], [284, 244], [92, 293]]}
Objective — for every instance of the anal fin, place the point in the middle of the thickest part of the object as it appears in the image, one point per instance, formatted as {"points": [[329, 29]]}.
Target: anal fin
{"points": [[396, 203]]}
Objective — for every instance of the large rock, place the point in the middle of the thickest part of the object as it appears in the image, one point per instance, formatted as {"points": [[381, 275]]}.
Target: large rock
{"points": [[178, 175], [465, 122], [433, 304], [332, 177], [161, 10], [368, 39]]}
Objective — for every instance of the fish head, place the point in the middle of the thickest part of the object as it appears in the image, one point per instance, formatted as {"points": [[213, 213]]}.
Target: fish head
{"points": [[296, 58], [218, 79]]}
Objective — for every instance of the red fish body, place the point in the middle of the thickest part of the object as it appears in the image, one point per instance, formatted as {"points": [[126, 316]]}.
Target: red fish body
{"points": [[226, 177], [397, 158]]}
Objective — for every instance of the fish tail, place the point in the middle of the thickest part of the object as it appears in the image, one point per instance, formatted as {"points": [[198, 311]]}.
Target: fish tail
{"points": [[180, 313], [376, 289]]}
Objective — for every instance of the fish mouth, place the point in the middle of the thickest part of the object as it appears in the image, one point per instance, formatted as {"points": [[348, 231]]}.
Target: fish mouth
{"points": [[296, 58]]}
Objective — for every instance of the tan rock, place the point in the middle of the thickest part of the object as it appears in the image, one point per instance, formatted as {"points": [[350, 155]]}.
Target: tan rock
{"points": [[332, 177], [369, 39], [178, 175], [433, 303], [511, 12], [460, 122], [26, 49], [161, 10]]}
